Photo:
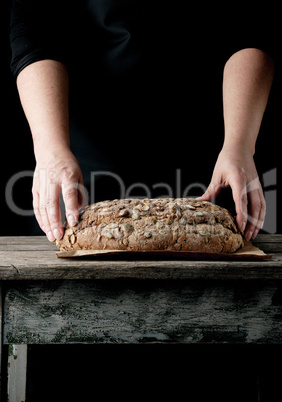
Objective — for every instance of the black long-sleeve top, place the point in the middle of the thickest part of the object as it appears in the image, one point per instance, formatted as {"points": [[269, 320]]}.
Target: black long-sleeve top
{"points": [[57, 29], [137, 72]]}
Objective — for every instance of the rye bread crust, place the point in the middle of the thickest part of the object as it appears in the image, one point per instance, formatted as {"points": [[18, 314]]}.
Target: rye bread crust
{"points": [[176, 224]]}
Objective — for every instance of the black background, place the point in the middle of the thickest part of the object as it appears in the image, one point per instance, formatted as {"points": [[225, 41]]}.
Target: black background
{"points": [[204, 365], [177, 113]]}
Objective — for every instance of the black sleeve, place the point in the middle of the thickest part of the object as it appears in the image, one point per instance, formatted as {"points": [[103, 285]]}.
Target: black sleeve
{"points": [[38, 30], [254, 28]]}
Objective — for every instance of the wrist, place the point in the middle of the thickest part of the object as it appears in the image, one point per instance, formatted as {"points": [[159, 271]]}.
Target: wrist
{"points": [[50, 149], [237, 146], [50, 139]]}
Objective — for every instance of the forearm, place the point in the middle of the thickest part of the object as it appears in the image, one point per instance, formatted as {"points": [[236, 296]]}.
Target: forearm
{"points": [[247, 81], [43, 90]]}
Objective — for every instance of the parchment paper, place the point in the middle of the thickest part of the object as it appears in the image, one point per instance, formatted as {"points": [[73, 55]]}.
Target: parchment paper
{"points": [[248, 252]]}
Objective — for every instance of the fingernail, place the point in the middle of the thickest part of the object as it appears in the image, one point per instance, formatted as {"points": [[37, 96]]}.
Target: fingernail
{"points": [[71, 220], [248, 236], [50, 236], [57, 234], [243, 226], [255, 233]]}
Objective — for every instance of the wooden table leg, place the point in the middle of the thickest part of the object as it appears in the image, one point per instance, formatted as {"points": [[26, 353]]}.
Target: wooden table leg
{"points": [[17, 365], [1, 339]]}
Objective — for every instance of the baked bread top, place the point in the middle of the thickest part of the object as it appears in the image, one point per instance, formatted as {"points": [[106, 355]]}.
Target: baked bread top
{"points": [[172, 224]]}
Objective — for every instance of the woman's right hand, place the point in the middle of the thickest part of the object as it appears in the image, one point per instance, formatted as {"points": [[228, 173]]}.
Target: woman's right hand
{"points": [[57, 173]]}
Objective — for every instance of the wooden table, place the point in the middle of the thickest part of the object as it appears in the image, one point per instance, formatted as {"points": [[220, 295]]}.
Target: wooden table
{"points": [[51, 300]]}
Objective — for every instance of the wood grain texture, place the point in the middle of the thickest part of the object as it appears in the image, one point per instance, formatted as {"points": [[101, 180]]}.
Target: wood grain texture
{"points": [[17, 365], [1, 340], [143, 312], [34, 258]]}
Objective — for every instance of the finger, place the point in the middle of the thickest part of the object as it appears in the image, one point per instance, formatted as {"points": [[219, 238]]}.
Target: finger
{"points": [[256, 214], [44, 217], [70, 197], [262, 213], [239, 193], [42, 180], [36, 209], [35, 200], [82, 194], [256, 207], [260, 219], [53, 209], [261, 216], [211, 192]]}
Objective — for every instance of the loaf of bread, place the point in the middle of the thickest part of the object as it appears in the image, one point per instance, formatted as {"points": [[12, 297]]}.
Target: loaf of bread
{"points": [[167, 224]]}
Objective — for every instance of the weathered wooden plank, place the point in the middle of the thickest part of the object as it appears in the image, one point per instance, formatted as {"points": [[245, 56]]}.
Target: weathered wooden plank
{"points": [[268, 238], [27, 266], [27, 247], [1, 337], [144, 270], [30, 263], [269, 243], [143, 312], [21, 239], [22, 243], [17, 365], [18, 240]]}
